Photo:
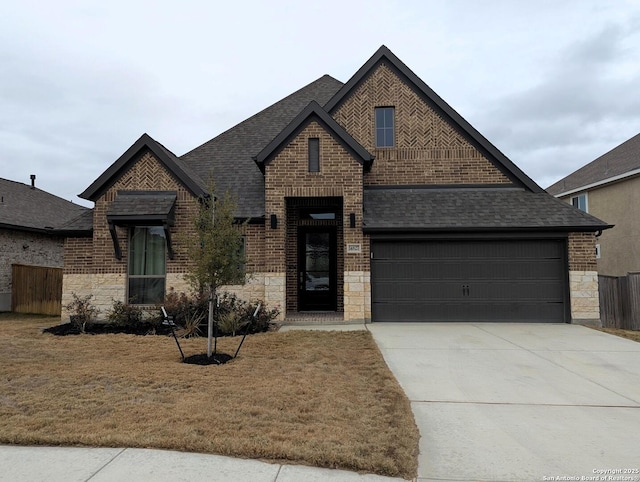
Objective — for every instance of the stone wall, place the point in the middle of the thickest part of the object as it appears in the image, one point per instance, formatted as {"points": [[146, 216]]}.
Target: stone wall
{"points": [[19, 247], [585, 302]]}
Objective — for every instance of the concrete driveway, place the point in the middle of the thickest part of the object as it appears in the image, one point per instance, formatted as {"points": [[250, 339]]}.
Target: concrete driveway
{"points": [[511, 402]]}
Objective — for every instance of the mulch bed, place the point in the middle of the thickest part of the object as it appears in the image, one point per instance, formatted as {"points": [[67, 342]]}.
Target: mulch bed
{"points": [[103, 328], [203, 359]]}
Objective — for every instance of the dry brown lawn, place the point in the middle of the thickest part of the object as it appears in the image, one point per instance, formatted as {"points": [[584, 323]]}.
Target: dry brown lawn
{"points": [[317, 398], [630, 334]]}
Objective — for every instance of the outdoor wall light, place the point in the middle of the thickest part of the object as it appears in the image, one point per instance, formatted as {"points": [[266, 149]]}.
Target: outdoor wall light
{"points": [[274, 221], [352, 220]]}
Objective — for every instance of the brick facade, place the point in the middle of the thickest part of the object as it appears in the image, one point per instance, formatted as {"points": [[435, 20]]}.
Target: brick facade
{"points": [[582, 252], [90, 263], [288, 183], [428, 150]]}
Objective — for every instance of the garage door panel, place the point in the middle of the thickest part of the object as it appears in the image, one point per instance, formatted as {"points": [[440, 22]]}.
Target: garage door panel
{"points": [[521, 280], [483, 312]]}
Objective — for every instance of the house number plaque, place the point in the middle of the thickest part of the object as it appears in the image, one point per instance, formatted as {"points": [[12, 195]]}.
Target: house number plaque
{"points": [[354, 248]]}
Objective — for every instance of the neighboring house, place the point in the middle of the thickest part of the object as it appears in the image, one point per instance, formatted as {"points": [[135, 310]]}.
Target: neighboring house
{"points": [[373, 200], [609, 188], [31, 222]]}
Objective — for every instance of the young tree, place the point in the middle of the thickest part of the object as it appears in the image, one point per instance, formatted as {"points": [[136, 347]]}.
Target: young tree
{"points": [[215, 251]]}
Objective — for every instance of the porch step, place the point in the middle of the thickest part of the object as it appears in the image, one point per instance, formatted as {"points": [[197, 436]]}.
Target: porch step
{"points": [[313, 318]]}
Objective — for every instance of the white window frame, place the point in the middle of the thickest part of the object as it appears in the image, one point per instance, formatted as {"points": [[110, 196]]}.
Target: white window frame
{"points": [[586, 201]]}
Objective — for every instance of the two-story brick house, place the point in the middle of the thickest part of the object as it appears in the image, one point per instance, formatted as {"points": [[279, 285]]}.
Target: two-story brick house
{"points": [[373, 200]]}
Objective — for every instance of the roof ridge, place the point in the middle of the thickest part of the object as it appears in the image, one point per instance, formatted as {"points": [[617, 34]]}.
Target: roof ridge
{"points": [[250, 118]]}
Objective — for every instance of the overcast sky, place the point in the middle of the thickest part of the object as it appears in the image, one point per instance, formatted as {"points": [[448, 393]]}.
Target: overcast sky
{"points": [[553, 84]]}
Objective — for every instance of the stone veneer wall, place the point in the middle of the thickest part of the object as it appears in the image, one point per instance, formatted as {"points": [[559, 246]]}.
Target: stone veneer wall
{"points": [[25, 248], [357, 296], [583, 279]]}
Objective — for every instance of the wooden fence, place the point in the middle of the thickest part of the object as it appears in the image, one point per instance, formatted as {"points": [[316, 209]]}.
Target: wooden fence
{"points": [[620, 301], [36, 289]]}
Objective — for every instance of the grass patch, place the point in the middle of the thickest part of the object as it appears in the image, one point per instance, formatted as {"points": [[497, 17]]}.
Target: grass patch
{"points": [[629, 334], [317, 398]]}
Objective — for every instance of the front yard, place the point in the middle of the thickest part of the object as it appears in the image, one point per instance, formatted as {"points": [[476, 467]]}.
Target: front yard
{"points": [[316, 398]]}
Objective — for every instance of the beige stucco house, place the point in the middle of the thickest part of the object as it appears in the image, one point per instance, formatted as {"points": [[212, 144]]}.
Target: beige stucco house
{"points": [[609, 188]]}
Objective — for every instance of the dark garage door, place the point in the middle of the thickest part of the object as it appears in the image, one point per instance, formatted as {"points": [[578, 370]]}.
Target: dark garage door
{"points": [[510, 281]]}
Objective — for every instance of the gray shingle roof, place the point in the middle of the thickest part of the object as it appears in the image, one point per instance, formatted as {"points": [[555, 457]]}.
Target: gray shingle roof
{"points": [[228, 157], [618, 161], [80, 224], [25, 208], [141, 206], [450, 209]]}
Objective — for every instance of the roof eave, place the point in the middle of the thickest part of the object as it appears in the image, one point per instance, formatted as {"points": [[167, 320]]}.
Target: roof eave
{"points": [[29, 229], [601, 183], [485, 229]]}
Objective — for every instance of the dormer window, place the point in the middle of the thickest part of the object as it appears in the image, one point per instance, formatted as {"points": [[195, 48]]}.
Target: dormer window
{"points": [[385, 126]]}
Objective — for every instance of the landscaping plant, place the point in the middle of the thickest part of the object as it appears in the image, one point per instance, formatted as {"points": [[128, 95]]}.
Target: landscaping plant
{"points": [[124, 315], [216, 251], [81, 311]]}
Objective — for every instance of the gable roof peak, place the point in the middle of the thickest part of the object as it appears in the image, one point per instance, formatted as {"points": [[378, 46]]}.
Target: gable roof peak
{"points": [[171, 162], [435, 102], [313, 110]]}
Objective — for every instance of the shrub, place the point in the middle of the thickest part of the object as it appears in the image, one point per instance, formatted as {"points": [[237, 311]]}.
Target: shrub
{"points": [[229, 323], [192, 325], [186, 310], [244, 311], [81, 311], [124, 315], [191, 314]]}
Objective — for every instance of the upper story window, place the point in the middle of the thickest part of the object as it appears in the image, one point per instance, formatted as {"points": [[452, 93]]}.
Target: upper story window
{"points": [[314, 154], [580, 202], [385, 126]]}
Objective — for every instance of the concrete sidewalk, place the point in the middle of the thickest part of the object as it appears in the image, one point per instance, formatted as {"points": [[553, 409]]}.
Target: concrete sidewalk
{"points": [[518, 402], [74, 464]]}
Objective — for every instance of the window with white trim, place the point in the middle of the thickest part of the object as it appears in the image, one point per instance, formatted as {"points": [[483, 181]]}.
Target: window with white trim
{"points": [[580, 202]]}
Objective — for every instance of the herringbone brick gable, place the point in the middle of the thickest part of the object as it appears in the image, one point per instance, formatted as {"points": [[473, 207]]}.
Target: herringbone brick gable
{"points": [[428, 149]]}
